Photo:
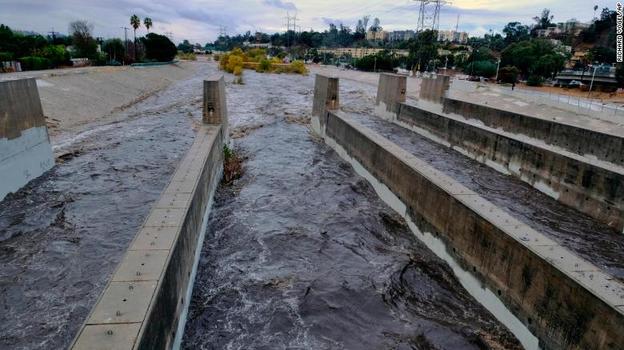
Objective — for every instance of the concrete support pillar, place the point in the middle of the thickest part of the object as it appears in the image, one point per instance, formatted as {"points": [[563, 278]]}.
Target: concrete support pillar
{"points": [[215, 107], [25, 150], [326, 98], [390, 92], [434, 89]]}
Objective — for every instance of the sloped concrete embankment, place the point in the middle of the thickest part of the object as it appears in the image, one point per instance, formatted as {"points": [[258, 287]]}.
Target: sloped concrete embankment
{"points": [[145, 302], [73, 99], [25, 150], [565, 301]]}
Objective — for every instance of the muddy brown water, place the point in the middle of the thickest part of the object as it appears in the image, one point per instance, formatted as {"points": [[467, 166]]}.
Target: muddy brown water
{"points": [[594, 241], [300, 252]]}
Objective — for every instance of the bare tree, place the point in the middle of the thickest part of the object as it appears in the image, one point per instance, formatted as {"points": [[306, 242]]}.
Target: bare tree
{"points": [[84, 44]]}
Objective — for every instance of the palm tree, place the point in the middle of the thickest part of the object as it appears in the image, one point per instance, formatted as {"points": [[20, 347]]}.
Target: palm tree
{"points": [[135, 22], [148, 23]]}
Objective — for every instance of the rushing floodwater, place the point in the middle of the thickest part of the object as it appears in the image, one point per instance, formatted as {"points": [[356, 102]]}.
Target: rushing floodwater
{"points": [[301, 253], [62, 236]]}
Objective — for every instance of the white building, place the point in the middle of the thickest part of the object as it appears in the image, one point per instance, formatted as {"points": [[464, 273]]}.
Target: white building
{"points": [[453, 36], [402, 35]]}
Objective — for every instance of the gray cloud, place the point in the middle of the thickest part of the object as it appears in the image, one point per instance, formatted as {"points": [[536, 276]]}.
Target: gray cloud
{"points": [[281, 4]]}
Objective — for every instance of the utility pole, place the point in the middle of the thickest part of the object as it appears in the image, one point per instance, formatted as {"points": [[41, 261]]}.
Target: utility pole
{"points": [[53, 35], [125, 44], [288, 18]]}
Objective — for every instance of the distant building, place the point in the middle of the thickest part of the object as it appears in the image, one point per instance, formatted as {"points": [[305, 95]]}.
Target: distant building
{"points": [[401, 35], [381, 35], [257, 45], [453, 36], [548, 32], [359, 52], [572, 26]]}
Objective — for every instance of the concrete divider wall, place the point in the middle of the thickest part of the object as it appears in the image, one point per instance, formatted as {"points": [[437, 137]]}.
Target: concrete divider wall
{"points": [[145, 302], [575, 139], [587, 187], [565, 301], [25, 150]]}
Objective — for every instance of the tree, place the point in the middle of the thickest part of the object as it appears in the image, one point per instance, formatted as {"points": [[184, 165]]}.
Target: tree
{"points": [[115, 49], [516, 31], [423, 51], [535, 57], [148, 23], [135, 22], [376, 27], [84, 44], [544, 20], [185, 46], [159, 47]]}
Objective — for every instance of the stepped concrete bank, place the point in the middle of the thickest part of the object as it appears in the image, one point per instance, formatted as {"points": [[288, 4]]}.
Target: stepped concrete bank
{"points": [[566, 301], [145, 302], [25, 150], [602, 145], [586, 186], [592, 186]]}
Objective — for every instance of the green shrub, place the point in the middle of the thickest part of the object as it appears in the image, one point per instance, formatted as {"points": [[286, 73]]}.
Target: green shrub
{"points": [[56, 54], [508, 74], [264, 66], [6, 56], [34, 63], [481, 68], [298, 67], [159, 48], [187, 56], [535, 80]]}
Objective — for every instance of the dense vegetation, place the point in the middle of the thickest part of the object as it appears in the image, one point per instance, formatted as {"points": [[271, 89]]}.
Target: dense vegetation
{"points": [[35, 51]]}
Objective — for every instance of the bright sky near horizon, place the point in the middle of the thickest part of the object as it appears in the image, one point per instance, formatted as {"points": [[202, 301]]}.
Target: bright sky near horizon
{"points": [[199, 20]]}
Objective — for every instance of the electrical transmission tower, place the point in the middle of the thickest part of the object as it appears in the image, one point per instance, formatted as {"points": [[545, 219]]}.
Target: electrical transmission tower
{"points": [[429, 14], [222, 31], [291, 19]]}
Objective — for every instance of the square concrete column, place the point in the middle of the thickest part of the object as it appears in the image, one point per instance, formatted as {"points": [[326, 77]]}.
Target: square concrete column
{"points": [[215, 107], [390, 92], [326, 95], [434, 89], [326, 98]]}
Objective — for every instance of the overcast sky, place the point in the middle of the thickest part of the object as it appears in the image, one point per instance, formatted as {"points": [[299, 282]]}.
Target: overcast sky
{"points": [[199, 20]]}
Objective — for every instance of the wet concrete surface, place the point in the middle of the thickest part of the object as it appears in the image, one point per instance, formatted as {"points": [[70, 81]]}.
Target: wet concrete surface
{"points": [[62, 236], [595, 242], [300, 252]]}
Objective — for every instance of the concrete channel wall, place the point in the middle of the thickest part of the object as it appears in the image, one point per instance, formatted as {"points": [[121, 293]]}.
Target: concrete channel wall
{"points": [[25, 150], [565, 301], [578, 140], [586, 186], [144, 303]]}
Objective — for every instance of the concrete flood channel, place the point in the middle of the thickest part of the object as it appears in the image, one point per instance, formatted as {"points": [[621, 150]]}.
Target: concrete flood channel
{"points": [[300, 252], [62, 235]]}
